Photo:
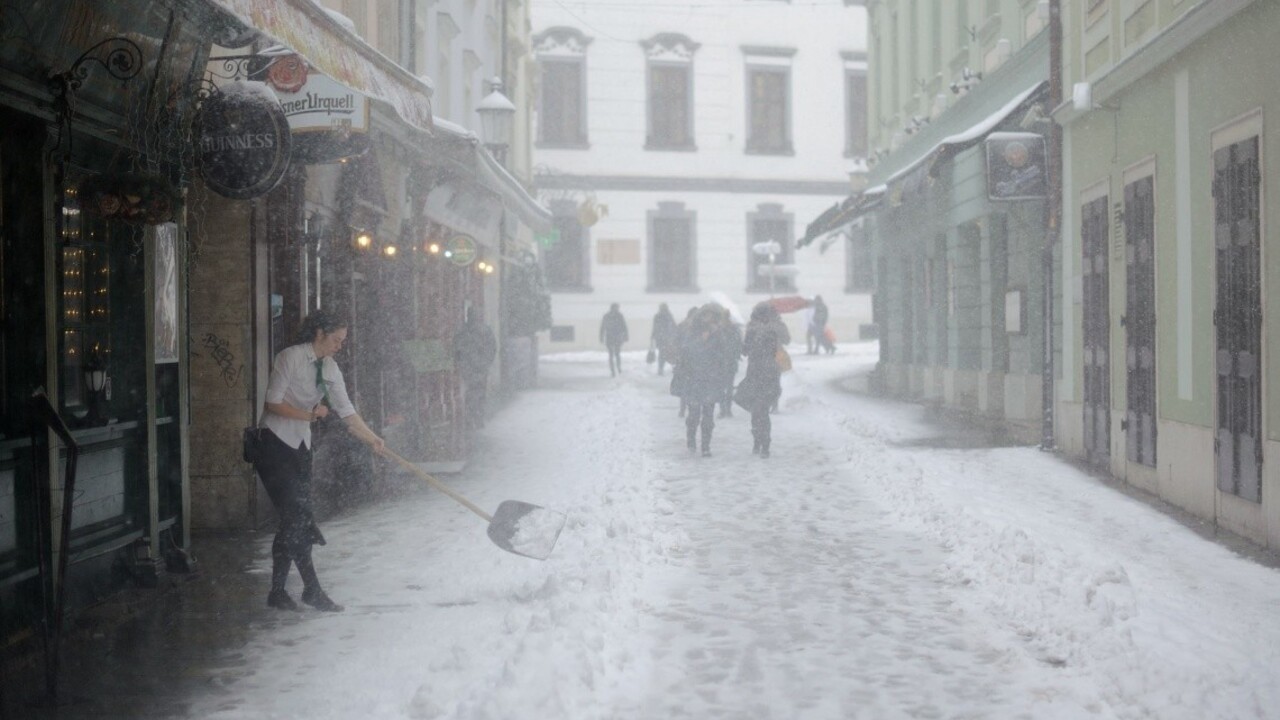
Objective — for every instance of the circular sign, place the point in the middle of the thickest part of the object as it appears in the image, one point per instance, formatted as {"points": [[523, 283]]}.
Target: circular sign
{"points": [[461, 250], [242, 140]]}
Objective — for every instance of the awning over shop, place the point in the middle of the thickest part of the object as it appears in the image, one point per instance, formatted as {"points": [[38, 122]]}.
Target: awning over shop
{"points": [[477, 214], [913, 177], [307, 29], [489, 173], [842, 214]]}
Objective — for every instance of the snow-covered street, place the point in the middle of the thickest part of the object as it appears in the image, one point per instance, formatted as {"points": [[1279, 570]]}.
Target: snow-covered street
{"points": [[861, 572]]}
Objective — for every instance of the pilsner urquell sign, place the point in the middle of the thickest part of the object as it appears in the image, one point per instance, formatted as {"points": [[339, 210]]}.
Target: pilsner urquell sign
{"points": [[242, 140]]}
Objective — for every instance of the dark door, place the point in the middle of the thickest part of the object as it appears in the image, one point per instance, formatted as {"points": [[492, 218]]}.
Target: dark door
{"points": [[1140, 320], [908, 310], [1097, 333], [1238, 319]]}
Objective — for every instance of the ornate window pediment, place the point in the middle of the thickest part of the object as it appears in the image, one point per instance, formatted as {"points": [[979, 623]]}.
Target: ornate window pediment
{"points": [[561, 41], [670, 47]]}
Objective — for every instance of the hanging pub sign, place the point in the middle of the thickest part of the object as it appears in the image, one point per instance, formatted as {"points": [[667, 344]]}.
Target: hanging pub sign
{"points": [[1016, 167], [460, 250], [242, 140], [329, 120]]}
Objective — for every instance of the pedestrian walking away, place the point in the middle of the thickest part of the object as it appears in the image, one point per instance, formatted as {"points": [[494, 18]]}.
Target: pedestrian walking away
{"points": [[677, 348], [732, 333], [762, 384], [663, 335], [704, 372], [474, 348], [305, 385], [613, 333], [815, 337]]}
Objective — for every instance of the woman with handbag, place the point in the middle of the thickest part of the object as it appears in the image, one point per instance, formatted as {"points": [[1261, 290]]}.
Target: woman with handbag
{"points": [[305, 385], [762, 384]]}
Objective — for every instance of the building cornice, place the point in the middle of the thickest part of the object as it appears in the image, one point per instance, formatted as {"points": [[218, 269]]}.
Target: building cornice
{"points": [[638, 183]]}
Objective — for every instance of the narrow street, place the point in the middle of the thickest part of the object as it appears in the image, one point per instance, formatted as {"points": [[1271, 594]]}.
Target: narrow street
{"points": [[864, 571]]}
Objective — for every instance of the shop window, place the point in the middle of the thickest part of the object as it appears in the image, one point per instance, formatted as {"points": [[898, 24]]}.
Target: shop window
{"points": [[770, 224], [672, 256], [85, 303]]}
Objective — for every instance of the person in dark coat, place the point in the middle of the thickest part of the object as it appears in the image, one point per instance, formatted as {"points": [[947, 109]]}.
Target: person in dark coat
{"points": [[815, 338], [702, 363], [733, 353], [677, 347], [762, 384], [663, 335], [474, 348], [613, 333]]}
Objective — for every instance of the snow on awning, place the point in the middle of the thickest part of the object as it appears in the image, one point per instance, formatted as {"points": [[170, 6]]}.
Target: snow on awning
{"points": [[308, 30], [842, 214], [912, 172]]}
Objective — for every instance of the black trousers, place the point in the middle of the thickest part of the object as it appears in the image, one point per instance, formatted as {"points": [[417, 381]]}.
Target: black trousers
{"points": [[703, 415], [761, 427], [615, 358], [286, 474]]}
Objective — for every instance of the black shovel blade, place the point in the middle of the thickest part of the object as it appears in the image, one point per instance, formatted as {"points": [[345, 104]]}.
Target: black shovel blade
{"points": [[525, 529]]}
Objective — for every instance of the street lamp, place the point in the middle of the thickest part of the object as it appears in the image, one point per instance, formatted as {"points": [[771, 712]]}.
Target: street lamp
{"points": [[497, 120], [769, 249]]}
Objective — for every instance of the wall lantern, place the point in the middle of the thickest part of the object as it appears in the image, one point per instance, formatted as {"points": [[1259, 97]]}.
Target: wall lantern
{"points": [[364, 240], [95, 380], [389, 251], [433, 248], [497, 119]]}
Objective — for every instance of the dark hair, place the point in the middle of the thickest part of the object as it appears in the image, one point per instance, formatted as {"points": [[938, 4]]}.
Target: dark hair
{"points": [[763, 312], [325, 321]]}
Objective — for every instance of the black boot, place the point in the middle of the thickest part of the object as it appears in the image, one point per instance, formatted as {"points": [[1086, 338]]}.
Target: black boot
{"points": [[764, 449], [280, 600], [755, 448], [706, 444], [316, 598], [691, 439]]}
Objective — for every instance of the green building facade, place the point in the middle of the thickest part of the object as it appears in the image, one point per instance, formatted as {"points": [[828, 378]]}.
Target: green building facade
{"points": [[1166, 370], [959, 282]]}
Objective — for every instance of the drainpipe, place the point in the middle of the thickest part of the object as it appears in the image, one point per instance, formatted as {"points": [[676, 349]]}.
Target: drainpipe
{"points": [[1053, 217]]}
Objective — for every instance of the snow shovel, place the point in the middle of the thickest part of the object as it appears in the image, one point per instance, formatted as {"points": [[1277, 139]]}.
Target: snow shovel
{"points": [[517, 527]]}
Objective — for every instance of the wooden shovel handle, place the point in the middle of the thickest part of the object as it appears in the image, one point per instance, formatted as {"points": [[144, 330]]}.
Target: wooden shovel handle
{"points": [[437, 484]]}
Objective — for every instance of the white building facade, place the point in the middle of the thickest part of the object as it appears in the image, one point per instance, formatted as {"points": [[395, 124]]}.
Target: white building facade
{"points": [[671, 138]]}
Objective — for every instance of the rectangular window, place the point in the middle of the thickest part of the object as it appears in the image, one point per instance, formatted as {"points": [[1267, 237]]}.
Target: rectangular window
{"points": [[855, 113], [769, 110], [763, 275], [565, 258], [670, 111], [562, 117], [671, 253]]}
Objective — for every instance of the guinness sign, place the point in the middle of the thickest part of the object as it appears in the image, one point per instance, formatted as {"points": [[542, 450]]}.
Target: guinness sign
{"points": [[242, 140]]}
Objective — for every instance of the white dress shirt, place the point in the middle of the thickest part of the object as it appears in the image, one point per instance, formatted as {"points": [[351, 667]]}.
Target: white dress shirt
{"points": [[293, 382]]}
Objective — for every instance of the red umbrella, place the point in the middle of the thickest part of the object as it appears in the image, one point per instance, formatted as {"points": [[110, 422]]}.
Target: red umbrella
{"points": [[790, 303]]}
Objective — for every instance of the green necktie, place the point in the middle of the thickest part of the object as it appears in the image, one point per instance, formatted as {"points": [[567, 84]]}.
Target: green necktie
{"points": [[320, 383]]}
